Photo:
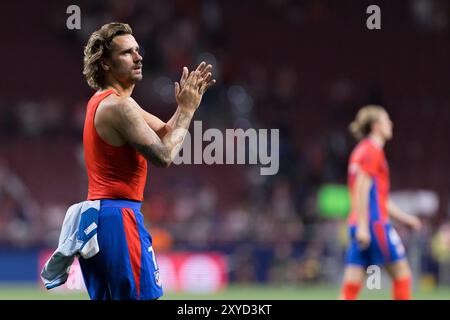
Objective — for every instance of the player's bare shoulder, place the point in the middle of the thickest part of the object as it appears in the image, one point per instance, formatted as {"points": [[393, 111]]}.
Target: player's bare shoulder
{"points": [[110, 107], [114, 109], [109, 118]]}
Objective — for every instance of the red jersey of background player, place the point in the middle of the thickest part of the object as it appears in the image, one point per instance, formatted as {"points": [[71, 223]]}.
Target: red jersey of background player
{"points": [[113, 172], [370, 158]]}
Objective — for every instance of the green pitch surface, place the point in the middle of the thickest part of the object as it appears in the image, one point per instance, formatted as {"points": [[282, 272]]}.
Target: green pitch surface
{"points": [[234, 292]]}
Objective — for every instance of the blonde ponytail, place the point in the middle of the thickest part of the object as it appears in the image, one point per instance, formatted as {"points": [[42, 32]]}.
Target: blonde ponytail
{"points": [[362, 125]]}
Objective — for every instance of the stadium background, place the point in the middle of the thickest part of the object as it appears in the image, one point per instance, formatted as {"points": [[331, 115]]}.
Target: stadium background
{"points": [[304, 67]]}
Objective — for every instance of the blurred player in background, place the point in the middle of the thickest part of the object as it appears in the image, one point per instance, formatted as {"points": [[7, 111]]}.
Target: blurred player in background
{"points": [[119, 137], [374, 241]]}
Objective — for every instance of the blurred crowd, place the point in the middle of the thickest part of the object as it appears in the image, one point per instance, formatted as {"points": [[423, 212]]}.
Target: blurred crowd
{"points": [[269, 226]]}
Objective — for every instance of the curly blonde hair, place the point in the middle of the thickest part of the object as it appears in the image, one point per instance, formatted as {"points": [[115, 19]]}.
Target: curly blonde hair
{"points": [[99, 46], [366, 116]]}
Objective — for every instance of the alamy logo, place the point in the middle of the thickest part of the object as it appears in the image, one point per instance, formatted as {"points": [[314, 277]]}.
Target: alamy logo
{"points": [[236, 146], [374, 20], [74, 20], [374, 277]]}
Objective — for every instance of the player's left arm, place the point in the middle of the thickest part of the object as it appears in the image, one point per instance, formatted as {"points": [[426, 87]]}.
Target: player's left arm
{"points": [[398, 214]]}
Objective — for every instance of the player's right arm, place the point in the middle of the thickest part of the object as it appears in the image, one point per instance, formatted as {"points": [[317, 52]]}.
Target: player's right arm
{"points": [[400, 215], [361, 191], [131, 126]]}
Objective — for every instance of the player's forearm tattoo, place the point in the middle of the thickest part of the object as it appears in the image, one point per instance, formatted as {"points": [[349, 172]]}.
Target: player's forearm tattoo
{"points": [[160, 153], [183, 120], [176, 136], [156, 153]]}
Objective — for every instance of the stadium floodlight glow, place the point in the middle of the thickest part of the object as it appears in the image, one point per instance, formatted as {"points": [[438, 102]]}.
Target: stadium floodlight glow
{"points": [[333, 201]]}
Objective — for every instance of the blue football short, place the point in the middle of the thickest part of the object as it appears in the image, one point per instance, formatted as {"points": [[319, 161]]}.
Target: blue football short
{"points": [[385, 246], [125, 267]]}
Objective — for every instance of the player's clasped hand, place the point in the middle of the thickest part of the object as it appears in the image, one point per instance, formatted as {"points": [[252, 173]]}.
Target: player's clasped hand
{"points": [[192, 86]]}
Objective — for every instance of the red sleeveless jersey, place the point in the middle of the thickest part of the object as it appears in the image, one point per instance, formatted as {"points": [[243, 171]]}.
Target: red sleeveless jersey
{"points": [[370, 158], [113, 172]]}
